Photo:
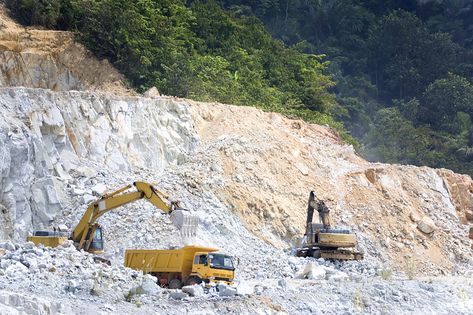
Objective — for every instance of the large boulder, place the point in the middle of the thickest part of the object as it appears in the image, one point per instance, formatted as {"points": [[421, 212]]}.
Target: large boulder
{"points": [[244, 289], [148, 286], [16, 270], [177, 295], [426, 225], [193, 290], [312, 271], [227, 291], [152, 93]]}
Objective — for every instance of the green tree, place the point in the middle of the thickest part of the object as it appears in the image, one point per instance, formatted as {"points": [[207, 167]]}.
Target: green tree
{"points": [[443, 100], [35, 12], [395, 140]]}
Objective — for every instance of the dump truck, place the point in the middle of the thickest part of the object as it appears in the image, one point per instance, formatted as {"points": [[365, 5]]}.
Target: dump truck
{"points": [[321, 240], [88, 234], [185, 266]]}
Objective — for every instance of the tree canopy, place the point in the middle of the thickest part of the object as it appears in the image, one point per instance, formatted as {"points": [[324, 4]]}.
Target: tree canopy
{"points": [[403, 71], [396, 75], [196, 50]]}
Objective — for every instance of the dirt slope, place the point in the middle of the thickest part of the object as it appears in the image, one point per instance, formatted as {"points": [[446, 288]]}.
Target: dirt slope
{"points": [[271, 163], [51, 59]]}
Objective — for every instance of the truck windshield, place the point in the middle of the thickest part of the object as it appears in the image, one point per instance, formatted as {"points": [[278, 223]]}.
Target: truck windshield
{"points": [[219, 261]]}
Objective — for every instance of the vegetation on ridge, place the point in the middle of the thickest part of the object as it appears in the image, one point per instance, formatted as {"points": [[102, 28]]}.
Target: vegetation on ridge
{"points": [[403, 71], [396, 74], [199, 51]]}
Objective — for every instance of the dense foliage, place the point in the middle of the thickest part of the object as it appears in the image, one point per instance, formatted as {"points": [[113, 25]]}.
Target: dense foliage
{"points": [[197, 51], [403, 69]]}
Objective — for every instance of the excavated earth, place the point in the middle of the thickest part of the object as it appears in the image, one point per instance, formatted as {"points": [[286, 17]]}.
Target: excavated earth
{"points": [[70, 131]]}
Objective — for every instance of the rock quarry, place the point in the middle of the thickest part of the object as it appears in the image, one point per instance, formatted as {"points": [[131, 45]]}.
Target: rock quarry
{"points": [[71, 131]]}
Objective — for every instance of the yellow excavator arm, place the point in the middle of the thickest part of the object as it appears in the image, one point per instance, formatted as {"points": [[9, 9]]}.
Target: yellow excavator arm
{"points": [[83, 233], [324, 212]]}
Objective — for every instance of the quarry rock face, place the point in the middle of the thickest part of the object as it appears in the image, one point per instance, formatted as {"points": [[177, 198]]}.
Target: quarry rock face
{"points": [[51, 60], [44, 135]]}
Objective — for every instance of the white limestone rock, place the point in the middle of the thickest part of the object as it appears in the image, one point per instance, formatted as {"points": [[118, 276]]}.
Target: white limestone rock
{"points": [[177, 295], [8, 246], [312, 271], [426, 225], [244, 288], [86, 199], [227, 292], [99, 189], [193, 290], [16, 269]]}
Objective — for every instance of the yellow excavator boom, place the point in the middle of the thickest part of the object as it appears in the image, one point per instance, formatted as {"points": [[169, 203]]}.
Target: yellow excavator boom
{"points": [[114, 200], [83, 234]]}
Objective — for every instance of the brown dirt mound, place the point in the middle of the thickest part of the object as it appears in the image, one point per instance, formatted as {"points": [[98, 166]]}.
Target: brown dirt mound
{"points": [[271, 163]]}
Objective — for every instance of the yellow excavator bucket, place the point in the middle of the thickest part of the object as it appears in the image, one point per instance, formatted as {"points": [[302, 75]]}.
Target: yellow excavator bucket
{"points": [[185, 222]]}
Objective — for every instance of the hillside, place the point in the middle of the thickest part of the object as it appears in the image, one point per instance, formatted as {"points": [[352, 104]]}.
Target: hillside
{"points": [[402, 71], [247, 175], [52, 60]]}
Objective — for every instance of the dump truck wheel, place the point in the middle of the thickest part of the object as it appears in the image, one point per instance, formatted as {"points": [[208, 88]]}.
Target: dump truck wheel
{"points": [[193, 280], [175, 284]]}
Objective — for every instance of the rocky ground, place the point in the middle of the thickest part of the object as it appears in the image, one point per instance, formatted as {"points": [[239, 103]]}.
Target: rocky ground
{"points": [[247, 175], [37, 280]]}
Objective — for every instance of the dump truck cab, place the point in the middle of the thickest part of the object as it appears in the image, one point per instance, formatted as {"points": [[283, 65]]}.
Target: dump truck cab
{"points": [[213, 267]]}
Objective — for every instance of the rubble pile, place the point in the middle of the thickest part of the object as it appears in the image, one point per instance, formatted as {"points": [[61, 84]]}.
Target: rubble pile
{"points": [[39, 280]]}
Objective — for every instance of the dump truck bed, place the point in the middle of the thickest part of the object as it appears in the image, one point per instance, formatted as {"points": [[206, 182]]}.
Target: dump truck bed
{"points": [[171, 260]]}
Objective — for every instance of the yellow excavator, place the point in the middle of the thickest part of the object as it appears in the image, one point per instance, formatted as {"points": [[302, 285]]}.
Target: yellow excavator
{"points": [[88, 235], [321, 240]]}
